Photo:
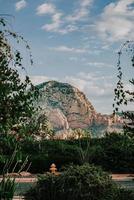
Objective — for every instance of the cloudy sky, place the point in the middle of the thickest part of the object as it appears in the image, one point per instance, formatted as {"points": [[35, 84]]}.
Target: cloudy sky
{"points": [[74, 41]]}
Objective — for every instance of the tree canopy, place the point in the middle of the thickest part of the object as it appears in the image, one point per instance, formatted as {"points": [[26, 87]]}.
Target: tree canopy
{"points": [[123, 95], [16, 96]]}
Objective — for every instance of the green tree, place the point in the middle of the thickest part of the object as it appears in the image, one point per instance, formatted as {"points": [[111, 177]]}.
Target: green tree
{"points": [[16, 96], [125, 96]]}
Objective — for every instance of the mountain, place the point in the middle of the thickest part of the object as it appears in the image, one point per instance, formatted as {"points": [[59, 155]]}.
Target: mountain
{"points": [[67, 108]]}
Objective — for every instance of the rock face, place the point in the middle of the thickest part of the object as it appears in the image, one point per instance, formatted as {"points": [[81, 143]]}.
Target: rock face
{"points": [[66, 107], [57, 119]]}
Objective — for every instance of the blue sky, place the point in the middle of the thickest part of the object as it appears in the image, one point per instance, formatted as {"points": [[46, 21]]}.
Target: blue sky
{"points": [[74, 41]]}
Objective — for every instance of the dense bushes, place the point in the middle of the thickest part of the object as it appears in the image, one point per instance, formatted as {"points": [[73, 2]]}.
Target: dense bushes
{"points": [[76, 182], [7, 188], [47, 152], [114, 152], [123, 194]]}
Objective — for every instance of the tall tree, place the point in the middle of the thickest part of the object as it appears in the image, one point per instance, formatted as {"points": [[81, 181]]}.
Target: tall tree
{"points": [[125, 96], [16, 96]]}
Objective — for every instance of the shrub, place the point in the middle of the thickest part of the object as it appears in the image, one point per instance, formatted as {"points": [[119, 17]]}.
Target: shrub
{"points": [[123, 194], [7, 188], [76, 182], [43, 154], [114, 152]]}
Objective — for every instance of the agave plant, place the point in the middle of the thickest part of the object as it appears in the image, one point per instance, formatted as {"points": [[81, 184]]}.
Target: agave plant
{"points": [[7, 188], [83, 154], [8, 184]]}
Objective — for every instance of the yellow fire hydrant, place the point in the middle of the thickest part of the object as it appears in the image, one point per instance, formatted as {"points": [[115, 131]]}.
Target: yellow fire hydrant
{"points": [[53, 169]]}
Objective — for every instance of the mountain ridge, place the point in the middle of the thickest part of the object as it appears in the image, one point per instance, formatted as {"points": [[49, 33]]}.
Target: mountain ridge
{"points": [[68, 108]]}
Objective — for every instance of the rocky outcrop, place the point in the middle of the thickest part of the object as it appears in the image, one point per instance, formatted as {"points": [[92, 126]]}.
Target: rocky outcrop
{"points": [[57, 119], [66, 108]]}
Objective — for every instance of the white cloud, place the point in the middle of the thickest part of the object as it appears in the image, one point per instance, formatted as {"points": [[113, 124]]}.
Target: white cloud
{"points": [[80, 13], [45, 8], [89, 83], [20, 5], [72, 58], [99, 64], [61, 23], [105, 47], [98, 89], [37, 79], [94, 76], [50, 9], [117, 21], [68, 29], [68, 49], [76, 82], [54, 26], [128, 87]]}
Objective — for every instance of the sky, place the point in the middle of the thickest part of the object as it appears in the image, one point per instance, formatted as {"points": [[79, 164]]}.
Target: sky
{"points": [[75, 41]]}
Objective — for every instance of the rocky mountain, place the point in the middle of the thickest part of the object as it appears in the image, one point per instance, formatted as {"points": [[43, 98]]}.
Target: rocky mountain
{"points": [[67, 108]]}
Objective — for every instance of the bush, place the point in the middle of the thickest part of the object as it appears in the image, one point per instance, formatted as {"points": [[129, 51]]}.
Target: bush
{"points": [[7, 188], [114, 152], [123, 194], [85, 182], [43, 154]]}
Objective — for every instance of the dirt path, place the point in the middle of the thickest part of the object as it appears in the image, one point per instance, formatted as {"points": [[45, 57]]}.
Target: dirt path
{"points": [[116, 177], [123, 177]]}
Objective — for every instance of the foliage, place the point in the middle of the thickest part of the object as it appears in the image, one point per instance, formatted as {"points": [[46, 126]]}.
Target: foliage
{"points": [[45, 129], [123, 194], [16, 102], [84, 153], [7, 188], [43, 153], [7, 184], [18, 113], [78, 133], [113, 152], [16, 105], [76, 182], [125, 96]]}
